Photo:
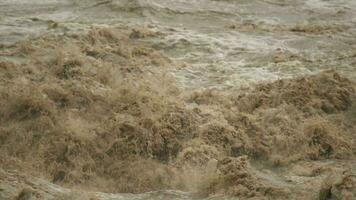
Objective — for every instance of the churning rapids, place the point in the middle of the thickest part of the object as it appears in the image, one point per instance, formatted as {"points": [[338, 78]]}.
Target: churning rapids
{"points": [[177, 99]]}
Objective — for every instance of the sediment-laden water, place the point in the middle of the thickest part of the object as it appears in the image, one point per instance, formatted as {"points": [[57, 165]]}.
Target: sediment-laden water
{"points": [[177, 99]]}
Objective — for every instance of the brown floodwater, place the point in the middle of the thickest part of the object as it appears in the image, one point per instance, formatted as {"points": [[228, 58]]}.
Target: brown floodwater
{"points": [[224, 57]]}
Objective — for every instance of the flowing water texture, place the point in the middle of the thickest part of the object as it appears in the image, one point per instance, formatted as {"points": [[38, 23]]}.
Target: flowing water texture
{"points": [[222, 43], [201, 85]]}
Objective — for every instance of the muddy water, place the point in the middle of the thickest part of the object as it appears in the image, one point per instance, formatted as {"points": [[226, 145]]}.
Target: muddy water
{"points": [[220, 43], [215, 43]]}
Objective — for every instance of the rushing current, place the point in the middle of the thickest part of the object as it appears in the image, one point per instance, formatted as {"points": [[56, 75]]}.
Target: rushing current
{"points": [[223, 43], [218, 44]]}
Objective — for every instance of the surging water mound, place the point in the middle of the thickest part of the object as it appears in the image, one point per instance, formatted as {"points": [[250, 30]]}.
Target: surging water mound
{"points": [[99, 112], [284, 122], [289, 120], [85, 110]]}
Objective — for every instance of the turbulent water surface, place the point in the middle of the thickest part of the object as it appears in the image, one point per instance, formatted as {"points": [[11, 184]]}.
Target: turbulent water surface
{"points": [[216, 43], [222, 43]]}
